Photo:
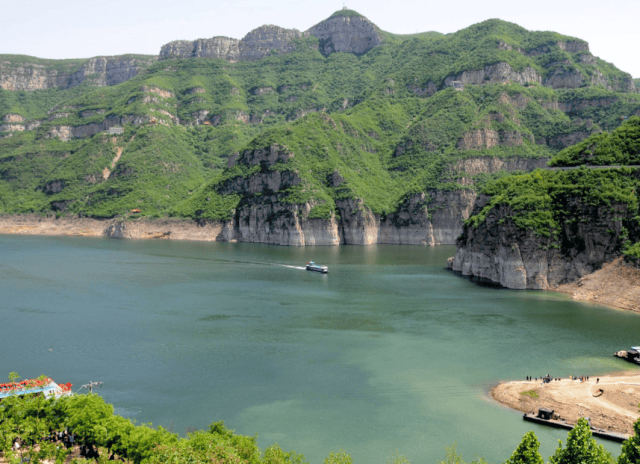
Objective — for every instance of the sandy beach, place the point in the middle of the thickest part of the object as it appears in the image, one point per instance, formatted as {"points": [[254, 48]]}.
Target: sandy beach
{"points": [[611, 402]]}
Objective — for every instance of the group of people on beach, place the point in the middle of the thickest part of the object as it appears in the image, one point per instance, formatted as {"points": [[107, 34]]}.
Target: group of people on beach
{"points": [[547, 378]]}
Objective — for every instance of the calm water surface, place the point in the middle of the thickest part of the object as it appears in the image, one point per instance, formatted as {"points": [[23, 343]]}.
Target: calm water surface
{"points": [[387, 352]]}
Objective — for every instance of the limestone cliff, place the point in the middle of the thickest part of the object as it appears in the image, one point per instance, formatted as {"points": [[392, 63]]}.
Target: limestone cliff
{"points": [[265, 40], [496, 73], [38, 74], [499, 251], [339, 33], [255, 45], [265, 219], [431, 218], [346, 33], [216, 47]]}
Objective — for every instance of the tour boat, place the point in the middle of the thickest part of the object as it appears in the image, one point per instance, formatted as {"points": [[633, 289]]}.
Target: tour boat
{"points": [[311, 266]]}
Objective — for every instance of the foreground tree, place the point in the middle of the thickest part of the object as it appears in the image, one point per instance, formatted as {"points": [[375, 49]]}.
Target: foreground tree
{"points": [[339, 457], [453, 457], [631, 447], [581, 448], [527, 452]]}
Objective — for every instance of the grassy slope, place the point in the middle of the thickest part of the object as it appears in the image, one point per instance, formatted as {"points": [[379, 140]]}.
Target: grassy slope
{"points": [[370, 111]]}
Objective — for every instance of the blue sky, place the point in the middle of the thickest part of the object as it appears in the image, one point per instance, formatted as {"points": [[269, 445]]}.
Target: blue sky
{"points": [[85, 28]]}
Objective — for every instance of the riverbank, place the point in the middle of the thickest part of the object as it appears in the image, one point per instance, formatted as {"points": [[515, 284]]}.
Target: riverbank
{"points": [[616, 285], [131, 228], [615, 409]]}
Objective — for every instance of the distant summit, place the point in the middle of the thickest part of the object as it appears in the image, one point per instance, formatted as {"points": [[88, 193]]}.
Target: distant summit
{"points": [[346, 12], [344, 31]]}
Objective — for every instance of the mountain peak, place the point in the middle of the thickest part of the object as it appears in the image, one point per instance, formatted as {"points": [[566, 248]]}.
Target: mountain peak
{"points": [[346, 31], [346, 12]]}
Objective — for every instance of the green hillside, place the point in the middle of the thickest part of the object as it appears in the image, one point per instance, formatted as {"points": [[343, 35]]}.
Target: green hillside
{"points": [[388, 122], [550, 202]]}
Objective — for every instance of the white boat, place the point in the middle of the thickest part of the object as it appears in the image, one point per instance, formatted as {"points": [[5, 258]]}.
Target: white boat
{"points": [[311, 266]]}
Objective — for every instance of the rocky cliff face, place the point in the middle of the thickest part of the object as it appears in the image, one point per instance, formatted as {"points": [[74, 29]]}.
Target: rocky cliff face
{"points": [[216, 47], [66, 133], [348, 34], [431, 218], [498, 251], [464, 170], [496, 73], [100, 71], [255, 45], [264, 40]]}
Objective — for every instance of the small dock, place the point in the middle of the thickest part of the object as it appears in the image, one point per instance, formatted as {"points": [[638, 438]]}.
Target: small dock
{"points": [[546, 417], [632, 355]]}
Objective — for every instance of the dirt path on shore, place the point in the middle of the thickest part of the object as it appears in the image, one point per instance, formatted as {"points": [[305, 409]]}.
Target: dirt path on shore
{"points": [[615, 409], [616, 285], [48, 225]]}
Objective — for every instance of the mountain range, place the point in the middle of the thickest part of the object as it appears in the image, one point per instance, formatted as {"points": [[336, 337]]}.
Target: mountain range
{"points": [[340, 134]]}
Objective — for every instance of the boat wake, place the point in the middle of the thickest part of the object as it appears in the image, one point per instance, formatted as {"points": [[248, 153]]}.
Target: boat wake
{"points": [[293, 267]]}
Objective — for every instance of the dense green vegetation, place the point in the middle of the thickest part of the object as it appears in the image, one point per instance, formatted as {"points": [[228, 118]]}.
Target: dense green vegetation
{"points": [[32, 420], [553, 204], [543, 201], [620, 147], [372, 119], [35, 104]]}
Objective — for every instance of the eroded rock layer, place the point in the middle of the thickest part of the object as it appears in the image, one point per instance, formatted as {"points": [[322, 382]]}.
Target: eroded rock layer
{"points": [[500, 252]]}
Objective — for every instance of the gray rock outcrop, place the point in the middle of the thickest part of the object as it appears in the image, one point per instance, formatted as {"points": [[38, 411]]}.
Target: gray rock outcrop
{"points": [[100, 71], [495, 74], [429, 218], [66, 133], [267, 39], [498, 251], [347, 34], [255, 45], [225, 48]]}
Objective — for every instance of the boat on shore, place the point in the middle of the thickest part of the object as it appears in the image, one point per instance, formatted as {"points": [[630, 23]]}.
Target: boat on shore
{"points": [[632, 355], [311, 266], [547, 417]]}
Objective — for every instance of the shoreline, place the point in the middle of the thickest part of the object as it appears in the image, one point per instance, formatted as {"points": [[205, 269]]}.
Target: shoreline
{"points": [[616, 285], [132, 228], [615, 409]]}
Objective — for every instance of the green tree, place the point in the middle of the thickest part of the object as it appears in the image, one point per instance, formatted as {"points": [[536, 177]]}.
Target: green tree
{"points": [[581, 448], [245, 446], [397, 458], [527, 452], [276, 455], [453, 457], [338, 457], [86, 417], [631, 448]]}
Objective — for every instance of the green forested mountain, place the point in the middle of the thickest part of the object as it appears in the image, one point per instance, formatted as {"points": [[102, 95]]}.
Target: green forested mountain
{"points": [[549, 227], [377, 127]]}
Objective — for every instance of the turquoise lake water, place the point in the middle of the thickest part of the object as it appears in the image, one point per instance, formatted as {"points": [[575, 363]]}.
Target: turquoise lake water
{"points": [[389, 351]]}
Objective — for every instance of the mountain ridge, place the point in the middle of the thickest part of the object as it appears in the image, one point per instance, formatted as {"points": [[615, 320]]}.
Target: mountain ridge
{"points": [[386, 146]]}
